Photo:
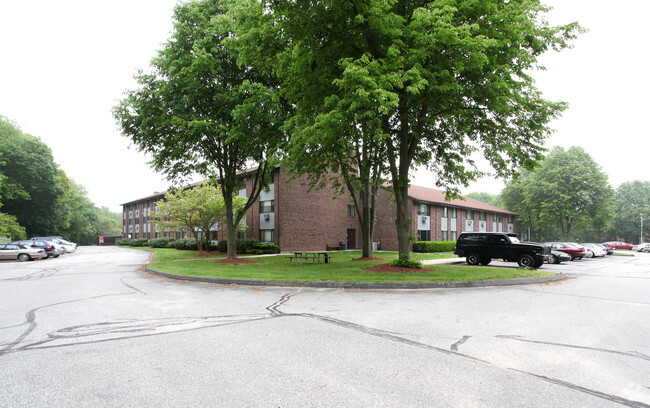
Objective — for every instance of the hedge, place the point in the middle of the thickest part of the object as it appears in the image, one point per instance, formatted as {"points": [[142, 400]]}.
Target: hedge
{"points": [[260, 249], [185, 244], [135, 242], [433, 246], [161, 242], [243, 245]]}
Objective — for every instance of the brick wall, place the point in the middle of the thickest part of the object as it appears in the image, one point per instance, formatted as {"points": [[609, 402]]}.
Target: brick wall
{"points": [[309, 220]]}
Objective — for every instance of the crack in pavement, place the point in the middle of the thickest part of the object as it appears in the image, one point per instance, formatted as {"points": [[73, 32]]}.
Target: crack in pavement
{"points": [[41, 274], [454, 347], [634, 354], [119, 330], [627, 302], [30, 321], [398, 339]]}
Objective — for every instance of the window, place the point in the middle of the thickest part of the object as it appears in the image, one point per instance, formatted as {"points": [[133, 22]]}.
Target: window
{"points": [[453, 213], [482, 216], [469, 215], [352, 211], [453, 236], [445, 236], [267, 235], [267, 206], [511, 219], [445, 211], [423, 209], [240, 235], [424, 235]]}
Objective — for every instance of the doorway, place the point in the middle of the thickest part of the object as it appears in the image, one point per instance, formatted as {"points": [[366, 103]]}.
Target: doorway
{"points": [[352, 241]]}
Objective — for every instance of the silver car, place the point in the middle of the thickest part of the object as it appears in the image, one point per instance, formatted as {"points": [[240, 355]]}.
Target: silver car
{"points": [[21, 252]]}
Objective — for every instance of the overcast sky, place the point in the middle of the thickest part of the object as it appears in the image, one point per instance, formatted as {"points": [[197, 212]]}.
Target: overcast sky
{"points": [[65, 64]]}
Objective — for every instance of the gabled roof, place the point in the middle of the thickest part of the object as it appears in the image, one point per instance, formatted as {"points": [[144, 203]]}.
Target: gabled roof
{"points": [[430, 195]]}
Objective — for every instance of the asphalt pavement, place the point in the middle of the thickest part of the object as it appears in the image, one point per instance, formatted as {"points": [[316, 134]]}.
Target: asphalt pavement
{"points": [[94, 329]]}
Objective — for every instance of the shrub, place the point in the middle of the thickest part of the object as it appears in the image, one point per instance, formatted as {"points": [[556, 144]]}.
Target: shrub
{"points": [[259, 249], [134, 242], [433, 246], [403, 262], [243, 245], [185, 244], [160, 242]]}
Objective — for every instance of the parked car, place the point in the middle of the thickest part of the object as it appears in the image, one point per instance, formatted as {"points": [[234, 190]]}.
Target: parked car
{"points": [[557, 257], [594, 250], [618, 245], [573, 251], [21, 252], [68, 246], [641, 247], [482, 247], [51, 249]]}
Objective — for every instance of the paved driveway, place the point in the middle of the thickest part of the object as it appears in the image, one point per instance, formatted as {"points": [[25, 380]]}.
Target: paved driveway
{"points": [[91, 330]]}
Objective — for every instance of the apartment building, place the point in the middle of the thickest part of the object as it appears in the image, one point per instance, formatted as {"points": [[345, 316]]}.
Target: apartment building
{"points": [[291, 216]]}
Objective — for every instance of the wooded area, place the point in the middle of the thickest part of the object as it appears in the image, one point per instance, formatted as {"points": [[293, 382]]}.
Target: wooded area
{"points": [[37, 198]]}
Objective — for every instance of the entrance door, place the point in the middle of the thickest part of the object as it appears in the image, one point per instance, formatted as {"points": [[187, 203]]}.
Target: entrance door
{"points": [[352, 242]]}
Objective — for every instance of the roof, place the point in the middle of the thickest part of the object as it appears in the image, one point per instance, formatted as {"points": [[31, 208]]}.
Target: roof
{"points": [[430, 195]]}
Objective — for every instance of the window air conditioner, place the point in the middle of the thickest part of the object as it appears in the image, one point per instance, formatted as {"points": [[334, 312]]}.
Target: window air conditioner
{"points": [[267, 217]]}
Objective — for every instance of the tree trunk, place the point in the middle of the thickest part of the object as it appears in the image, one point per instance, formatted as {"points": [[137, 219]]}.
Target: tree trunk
{"points": [[403, 222], [367, 221], [400, 158], [231, 237], [199, 241]]}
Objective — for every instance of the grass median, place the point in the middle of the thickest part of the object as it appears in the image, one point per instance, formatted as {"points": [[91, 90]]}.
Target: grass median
{"points": [[343, 268]]}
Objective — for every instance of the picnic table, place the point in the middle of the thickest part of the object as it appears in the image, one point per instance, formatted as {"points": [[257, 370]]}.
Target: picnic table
{"points": [[307, 257]]}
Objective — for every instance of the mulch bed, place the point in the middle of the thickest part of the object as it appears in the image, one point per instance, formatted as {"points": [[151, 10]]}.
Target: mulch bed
{"points": [[235, 261], [390, 268], [374, 258]]}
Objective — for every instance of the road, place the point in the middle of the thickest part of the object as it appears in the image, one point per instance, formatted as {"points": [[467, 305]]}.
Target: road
{"points": [[91, 329]]}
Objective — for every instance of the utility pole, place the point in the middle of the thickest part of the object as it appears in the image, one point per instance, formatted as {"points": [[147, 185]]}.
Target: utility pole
{"points": [[641, 240]]}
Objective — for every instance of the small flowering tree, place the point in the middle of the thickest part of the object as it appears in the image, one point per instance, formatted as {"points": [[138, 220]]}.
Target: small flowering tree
{"points": [[197, 209]]}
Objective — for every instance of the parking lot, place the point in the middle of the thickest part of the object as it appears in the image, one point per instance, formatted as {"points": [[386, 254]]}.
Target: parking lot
{"points": [[92, 329]]}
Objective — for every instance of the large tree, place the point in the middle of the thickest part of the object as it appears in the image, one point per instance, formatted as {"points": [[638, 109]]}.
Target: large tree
{"points": [[30, 186], [336, 131], [436, 81], [633, 206], [570, 191], [200, 112]]}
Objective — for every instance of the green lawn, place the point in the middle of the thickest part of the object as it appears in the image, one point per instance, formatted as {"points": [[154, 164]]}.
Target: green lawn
{"points": [[342, 268]]}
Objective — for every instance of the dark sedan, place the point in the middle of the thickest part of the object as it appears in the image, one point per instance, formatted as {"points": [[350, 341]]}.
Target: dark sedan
{"points": [[557, 257], [571, 250]]}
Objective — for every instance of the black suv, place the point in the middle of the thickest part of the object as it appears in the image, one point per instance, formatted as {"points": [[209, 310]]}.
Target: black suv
{"points": [[482, 247]]}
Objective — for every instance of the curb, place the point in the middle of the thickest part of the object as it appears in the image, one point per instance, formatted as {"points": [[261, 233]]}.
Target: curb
{"points": [[359, 285]]}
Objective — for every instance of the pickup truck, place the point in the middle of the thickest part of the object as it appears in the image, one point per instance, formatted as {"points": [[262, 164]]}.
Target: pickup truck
{"points": [[482, 247]]}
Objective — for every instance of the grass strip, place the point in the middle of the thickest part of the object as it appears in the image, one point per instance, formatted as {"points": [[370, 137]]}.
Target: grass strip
{"points": [[342, 269]]}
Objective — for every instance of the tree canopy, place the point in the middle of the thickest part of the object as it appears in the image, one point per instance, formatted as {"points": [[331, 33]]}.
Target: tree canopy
{"points": [[38, 198], [200, 112], [432, 83], [568, 191], [633, 203]]}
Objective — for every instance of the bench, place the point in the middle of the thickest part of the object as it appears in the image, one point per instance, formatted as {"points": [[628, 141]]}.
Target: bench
{"points": [[314, 257], [332, 247]]}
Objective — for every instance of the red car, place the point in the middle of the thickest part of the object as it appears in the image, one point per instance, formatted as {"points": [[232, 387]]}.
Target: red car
{"points": [[571, 250], [618, 245]]}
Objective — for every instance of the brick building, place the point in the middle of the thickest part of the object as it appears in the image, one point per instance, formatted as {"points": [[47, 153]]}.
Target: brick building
{"points": [[297, 219]]}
